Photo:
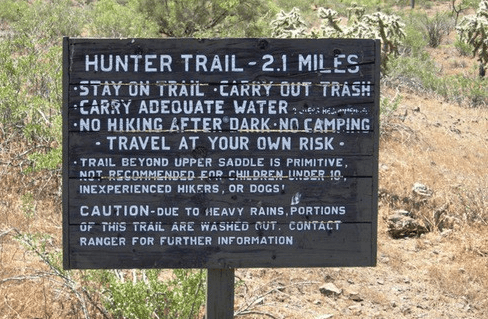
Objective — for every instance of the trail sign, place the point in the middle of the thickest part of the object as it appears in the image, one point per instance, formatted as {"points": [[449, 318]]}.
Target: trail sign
{"points": [[220, 153]]}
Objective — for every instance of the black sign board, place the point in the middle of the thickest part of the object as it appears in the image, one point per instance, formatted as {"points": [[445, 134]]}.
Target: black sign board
{"points": [[220, 153]]}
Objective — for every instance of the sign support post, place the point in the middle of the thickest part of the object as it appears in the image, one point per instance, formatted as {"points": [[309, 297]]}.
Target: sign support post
{"points": [[220, 294]]}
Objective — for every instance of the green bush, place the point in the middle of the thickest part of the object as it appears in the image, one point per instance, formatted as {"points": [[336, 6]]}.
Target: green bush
{"points": [[144, 294], [414, 42], [417, 73], [46, 22], [197, 18], [437, 27], [421, 74], [30, 72], [119, 19], [463, 48], [128, 294], [12, 10], [30, 88]]}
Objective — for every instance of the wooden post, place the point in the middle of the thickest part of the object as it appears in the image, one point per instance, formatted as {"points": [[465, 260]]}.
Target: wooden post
{"points": [[220, 294]]}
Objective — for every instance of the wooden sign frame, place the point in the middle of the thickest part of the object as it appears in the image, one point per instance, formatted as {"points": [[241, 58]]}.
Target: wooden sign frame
{"points": [[220, 153]]}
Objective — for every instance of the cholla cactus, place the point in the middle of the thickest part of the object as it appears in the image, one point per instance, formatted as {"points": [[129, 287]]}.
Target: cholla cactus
{"points": [[289, 25], [474, 31], [378, 25], [388, 28], [330, 23], [355, 11]]}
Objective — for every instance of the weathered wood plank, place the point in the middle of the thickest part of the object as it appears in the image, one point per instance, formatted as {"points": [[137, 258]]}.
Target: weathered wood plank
{"points": [[350, 200], [214, 166], [276, 116], [243, 59], [349, 245], [200, 145]]}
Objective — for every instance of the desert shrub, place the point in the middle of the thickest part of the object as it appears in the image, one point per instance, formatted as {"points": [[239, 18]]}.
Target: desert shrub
{"points": [[422, 75], [113, 18], [467, 91], [437, 27], [143, 294], [45, 21], [415, 73], [12, 10], [463, 48], [30, 89], [196, 18], [30, 72], [414, 42]]}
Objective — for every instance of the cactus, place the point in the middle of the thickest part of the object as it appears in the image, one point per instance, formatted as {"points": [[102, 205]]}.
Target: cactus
{"points": [[473, 30]]}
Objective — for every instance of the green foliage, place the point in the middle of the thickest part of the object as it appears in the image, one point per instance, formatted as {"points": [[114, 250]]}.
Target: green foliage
{"points": [[414, 42], [146, 295], [12, 10], [467, 91], [463, 48], [30, 88], [390, 105], [28, 205], [30, 71], [45, 21], [473, 30], [127, 294], [436, 27], [196, 18], [116, 18], [420, 73]]}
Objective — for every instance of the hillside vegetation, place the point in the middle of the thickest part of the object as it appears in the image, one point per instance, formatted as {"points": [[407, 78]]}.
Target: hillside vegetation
{"points": [[433, 176]]}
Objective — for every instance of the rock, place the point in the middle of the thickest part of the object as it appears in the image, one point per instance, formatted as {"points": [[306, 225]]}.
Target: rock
{"points": [[329, 289], [401, 225], [354, 296], [421, 190], [355, 308]]}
